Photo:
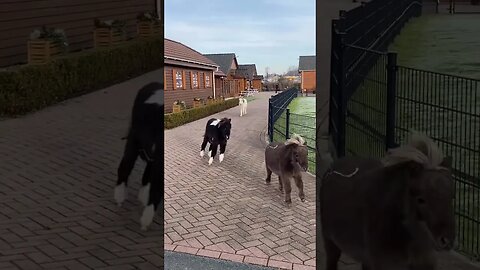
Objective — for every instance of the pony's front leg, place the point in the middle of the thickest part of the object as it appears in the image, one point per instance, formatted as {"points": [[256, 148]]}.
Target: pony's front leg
{"points": [[288, 189], [214, 148], [130, 155], [299, 183], [155, 194], [145, 189], [223, 146], [204, 144]]}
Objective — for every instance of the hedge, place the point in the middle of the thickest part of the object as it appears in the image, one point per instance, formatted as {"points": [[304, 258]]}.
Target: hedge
{"points": [[173, 120], [28, 88]]}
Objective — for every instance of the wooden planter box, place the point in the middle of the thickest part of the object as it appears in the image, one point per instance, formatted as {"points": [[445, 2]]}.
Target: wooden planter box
{"points": [[197, 104], [177, 108], [41, 51], [148, 29], [105, 37], [210, 101]]}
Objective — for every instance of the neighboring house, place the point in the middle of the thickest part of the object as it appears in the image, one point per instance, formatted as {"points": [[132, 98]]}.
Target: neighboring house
{"points": [[257, 82], [307, 70], [219, 83], [247, 71], [187, 75], [231, 84], [20, 18]]}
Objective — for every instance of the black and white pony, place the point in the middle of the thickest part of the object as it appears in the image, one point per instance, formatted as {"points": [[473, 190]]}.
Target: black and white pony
{"points": [[217, 132], [145, 136]]}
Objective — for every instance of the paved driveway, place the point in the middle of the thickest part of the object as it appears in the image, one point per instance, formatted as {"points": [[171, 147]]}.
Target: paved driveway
{"points": [[57, 173], [226, 210]]}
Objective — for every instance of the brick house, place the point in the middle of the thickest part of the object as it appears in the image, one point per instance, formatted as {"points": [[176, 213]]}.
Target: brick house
{"points": [[232, 84], [257, 82], [248, 71], [76, 18], [307, 70], [187, 75]]}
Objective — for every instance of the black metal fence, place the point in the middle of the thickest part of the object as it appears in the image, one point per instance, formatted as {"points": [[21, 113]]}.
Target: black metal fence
{"points": [[375, 102], [358, 36], [277, 105]]}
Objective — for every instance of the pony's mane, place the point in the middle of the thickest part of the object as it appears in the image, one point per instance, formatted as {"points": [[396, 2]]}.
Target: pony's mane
{"points": [[419, 148], [296, 139]]}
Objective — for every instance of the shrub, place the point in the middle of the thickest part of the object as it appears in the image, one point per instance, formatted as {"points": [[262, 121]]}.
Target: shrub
{"points": [[173, 120], [28, 88]]}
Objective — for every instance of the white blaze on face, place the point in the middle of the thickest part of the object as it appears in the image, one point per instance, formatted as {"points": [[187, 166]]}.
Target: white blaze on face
{"points": [[215, 122], [156, 98]]}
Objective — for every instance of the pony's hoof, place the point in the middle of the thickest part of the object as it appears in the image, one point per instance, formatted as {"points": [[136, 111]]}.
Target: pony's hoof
{"points": [[202, 153], [268, 181], [288, 202], [220, 158], [302, 199], [147, 216], [209, 153], [210, 161], [280, 188]]}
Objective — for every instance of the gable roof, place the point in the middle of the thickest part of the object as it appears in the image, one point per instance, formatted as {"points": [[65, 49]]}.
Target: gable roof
{"points": [[247, 71], [179, 54], [307, 63], [224, 60]]}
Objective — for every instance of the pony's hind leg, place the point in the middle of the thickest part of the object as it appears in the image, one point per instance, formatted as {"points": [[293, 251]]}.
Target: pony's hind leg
{"points": [[333, 254], [145, 189], [124, 169], [280, 183], [269, 175], [214, 148], [299, 183], [155, 194], [204, 144]]}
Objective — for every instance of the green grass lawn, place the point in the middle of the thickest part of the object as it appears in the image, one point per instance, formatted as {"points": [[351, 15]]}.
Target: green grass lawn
{"points": [[302, 122], [443, 43]]}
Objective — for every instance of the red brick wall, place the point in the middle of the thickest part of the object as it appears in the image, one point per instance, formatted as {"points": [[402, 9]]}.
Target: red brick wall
{"points": [[308, 79]]}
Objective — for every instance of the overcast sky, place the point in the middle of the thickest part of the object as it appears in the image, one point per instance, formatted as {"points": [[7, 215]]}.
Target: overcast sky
{"points": [[268, 33]]}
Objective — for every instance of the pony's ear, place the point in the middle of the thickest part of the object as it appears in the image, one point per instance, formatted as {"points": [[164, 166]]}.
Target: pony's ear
{"points": [[229, 120], [447, 162]]}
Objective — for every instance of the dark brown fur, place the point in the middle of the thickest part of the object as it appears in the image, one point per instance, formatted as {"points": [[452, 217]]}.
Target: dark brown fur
{"points": [[287, 161], [387, 217]]}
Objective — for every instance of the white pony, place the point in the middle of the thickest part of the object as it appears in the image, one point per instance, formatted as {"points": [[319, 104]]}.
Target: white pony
{"points": [[242, 102]]}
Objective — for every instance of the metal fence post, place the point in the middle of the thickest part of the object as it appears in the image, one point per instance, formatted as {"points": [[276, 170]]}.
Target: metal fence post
{"points": [[287, 125], [341, 87], [391, 93], [270, 120]]}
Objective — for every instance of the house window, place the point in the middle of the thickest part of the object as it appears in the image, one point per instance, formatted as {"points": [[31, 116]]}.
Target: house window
{"points": [[207, 81], [194, 80], [178, 79]]}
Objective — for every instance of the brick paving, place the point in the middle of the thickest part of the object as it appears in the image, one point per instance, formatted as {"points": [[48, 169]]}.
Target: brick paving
{"points": [[226, 210], [57, 173]]}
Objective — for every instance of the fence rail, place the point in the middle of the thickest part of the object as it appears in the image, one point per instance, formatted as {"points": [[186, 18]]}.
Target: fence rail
{"points": [[375, 102]]}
